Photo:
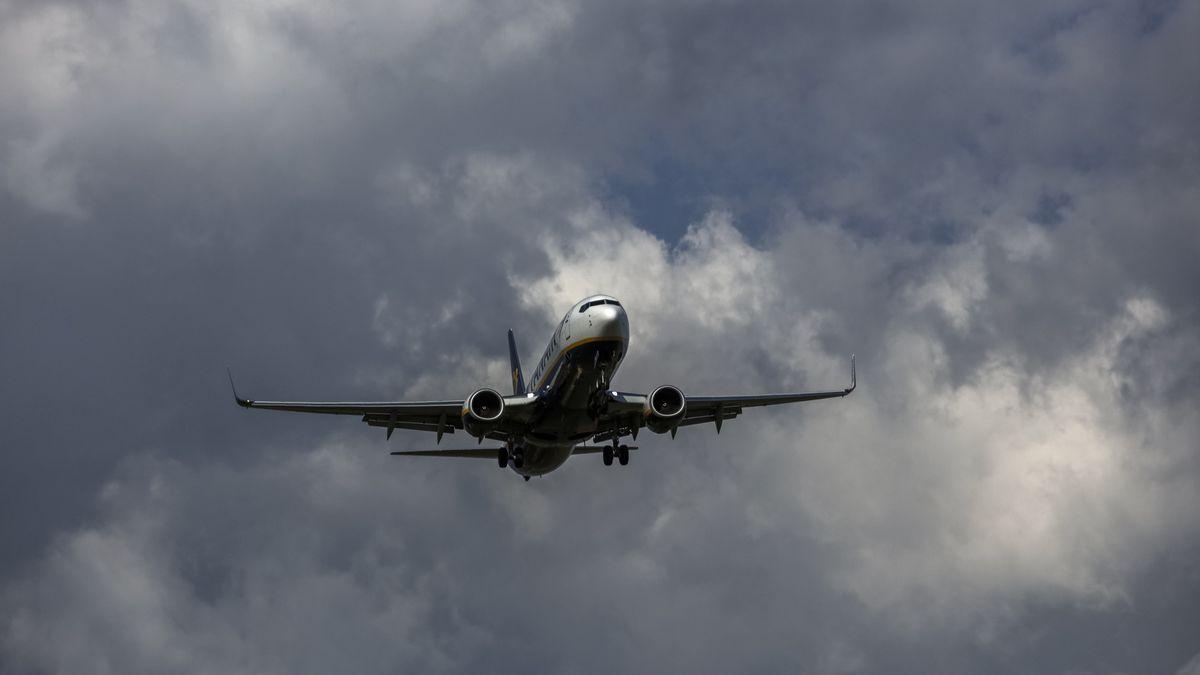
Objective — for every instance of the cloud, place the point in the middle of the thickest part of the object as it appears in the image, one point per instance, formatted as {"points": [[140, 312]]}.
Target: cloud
{"points": [[993, 208]]}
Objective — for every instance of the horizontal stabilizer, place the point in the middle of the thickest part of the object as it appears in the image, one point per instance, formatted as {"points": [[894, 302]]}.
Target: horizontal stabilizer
{"points": [[592, 449], [469, 453]]}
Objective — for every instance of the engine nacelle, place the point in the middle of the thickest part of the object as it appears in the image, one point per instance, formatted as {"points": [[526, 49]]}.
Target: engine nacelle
{"points": [[482, 411], [664, 409]]}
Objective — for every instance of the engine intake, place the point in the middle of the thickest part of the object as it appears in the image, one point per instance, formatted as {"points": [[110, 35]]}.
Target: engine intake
{"points": [[664, 409], [482, 412]]}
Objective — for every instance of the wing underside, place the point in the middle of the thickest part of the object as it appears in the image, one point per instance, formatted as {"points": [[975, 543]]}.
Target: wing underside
{"points": [[439, 417], [624, 416]]}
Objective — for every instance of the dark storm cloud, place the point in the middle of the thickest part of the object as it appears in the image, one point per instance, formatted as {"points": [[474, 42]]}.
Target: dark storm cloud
{"points": [[995, 207]]}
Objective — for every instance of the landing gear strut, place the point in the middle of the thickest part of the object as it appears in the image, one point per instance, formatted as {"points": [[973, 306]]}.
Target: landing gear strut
{"points": [[621, 452], [509, 453]]}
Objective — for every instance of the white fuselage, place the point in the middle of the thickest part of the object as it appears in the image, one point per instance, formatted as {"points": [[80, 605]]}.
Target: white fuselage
{"points": [[581, 358]]}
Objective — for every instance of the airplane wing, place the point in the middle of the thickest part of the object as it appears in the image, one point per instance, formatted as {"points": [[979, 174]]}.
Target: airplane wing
{"points": [[623, 415], [440, 417]]}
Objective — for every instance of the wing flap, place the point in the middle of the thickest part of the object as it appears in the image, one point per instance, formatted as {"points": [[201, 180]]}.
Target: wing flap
{"points": [[448, 422], [410, 426], [709, 417]]}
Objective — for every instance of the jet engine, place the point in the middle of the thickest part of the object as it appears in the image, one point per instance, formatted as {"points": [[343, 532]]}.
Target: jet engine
{"points": [[482, 411], [664, 409]]}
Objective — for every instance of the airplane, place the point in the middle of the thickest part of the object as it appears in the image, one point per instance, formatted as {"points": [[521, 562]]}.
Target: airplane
{"points": [[567, 401]]}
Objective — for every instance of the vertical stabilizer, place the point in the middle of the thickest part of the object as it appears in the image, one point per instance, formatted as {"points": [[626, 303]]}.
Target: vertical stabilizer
{"points": [[518, 377]]}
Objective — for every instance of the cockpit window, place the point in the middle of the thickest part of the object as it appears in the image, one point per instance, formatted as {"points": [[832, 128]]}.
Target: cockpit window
{"points": [[583, 308]]}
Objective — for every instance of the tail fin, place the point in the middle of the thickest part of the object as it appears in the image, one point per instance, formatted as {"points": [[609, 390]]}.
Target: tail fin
{"points": [[517, 376]]}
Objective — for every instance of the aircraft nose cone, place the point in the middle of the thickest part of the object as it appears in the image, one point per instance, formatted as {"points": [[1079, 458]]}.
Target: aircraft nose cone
{"points": [[610, 321]]}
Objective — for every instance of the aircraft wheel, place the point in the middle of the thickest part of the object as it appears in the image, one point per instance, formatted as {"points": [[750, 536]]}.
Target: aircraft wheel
{"points": [[608, 456], [502, 458], [518, 460], [623, 454]]}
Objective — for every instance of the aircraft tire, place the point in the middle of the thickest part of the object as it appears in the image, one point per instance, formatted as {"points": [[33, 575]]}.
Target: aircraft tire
{"points": [[623, 454], [608, 456], [502, 458]]}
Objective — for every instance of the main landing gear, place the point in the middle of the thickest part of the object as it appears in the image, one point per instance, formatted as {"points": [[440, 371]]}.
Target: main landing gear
{"points": [[621, 452], [510, 454]]}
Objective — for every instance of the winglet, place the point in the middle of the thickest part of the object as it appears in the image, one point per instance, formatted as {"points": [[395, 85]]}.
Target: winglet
{"points": [[853, 377], [244, 402]]}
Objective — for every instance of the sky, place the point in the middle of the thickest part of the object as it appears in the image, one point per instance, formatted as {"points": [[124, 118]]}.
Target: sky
{"points": [[994, 205]]}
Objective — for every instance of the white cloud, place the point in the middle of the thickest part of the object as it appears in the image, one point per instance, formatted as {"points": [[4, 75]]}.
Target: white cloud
{"points": [[955, 287], [358, 198]]}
